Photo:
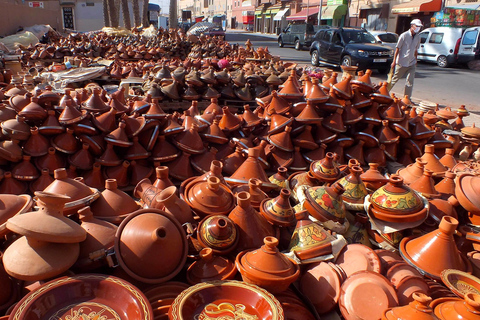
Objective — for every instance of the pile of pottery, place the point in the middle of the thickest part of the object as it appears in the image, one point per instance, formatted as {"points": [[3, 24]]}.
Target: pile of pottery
{"points": [[213, 213]]}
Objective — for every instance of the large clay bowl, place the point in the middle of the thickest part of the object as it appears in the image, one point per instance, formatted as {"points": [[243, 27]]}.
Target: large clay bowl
{"points": [[96, 295], [207, 300]]}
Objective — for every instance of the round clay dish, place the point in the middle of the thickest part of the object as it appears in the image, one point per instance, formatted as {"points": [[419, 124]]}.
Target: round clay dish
{"points": [[358, 257], [366, 295], [388, 259], [87, 294], [460, 282], [401, 271]]}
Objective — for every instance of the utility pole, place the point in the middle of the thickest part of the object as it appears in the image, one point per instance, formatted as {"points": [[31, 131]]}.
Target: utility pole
{"points": [[320, 13], [308, 8], [173, 15]]}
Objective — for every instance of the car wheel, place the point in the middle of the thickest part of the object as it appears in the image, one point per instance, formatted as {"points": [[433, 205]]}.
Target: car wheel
{"points": [[280, 43], [442, 62], [314, 58], [298, 46], [347, 61]]}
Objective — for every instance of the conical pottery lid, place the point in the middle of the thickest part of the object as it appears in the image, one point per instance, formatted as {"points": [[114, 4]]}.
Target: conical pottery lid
{"points": [[305, 139], [219, 233], [334, 122], [309, 115], [106, 122], [359, 100], [394, 113], [214, 134], [251, 168], [472, 131], [113, 202], [48, 224], [355, 190], [12, 205], [209, 197], [33, 260], [364, 83], [33, 111], [210, 267], [436, 251], [412, 172], [71, 115], [386, 135], [446, 186], [109, 157], [282, 140], [278, 123], [343, 88], [25, 170], [211, 93], [426, 185], [383, 95], [171, 90], [16, 128], [277, 105], [448, 160], [155, 236], [95, 103], [172, 126], [432, 161], [268, 262], [10, 150], [190, 141], [250, 118], [325, 169], [229, 121], [164, 150], [68, 187], [350, 114], [373, 178], [118, 136], [66, 142], [278, 211], [213, 107], [325, 203], [316, 94], [290, 90]]}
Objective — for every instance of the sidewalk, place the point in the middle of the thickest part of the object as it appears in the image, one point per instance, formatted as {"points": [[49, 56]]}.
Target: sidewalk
{"points": [[267, 35]]}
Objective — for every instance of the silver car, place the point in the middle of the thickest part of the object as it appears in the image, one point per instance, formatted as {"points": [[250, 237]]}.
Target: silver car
{"points": [[386, 38]]}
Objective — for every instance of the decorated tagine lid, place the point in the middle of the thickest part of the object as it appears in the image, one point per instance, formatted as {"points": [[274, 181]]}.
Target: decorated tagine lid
{"points": [[225, 299], [278, 211], [355, 190], [310, 239], [219, 233], [155, 236], [209, 197], [396, 202], [210, 267], [74, 301], [326, 203], [10, 206], [325, 170], [267, 267], [418, 309]]}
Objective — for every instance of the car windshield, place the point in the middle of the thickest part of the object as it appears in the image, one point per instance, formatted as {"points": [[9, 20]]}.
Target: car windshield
{"points": [[357, 36], [388, 38]]}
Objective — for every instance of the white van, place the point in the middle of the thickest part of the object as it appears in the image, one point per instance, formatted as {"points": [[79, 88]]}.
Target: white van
{"points": [[469, 48], [439, 45]]}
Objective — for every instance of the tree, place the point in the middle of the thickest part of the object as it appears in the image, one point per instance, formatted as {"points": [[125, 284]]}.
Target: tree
{"points": [[136, 14], [172, 16], [145, 19], [106, 18], [126, 14], [113, 13]]}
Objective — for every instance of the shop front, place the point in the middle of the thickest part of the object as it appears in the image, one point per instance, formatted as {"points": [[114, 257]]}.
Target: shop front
{"points": [[458, 15], [309, 14], [415, 9], [334, 13]]}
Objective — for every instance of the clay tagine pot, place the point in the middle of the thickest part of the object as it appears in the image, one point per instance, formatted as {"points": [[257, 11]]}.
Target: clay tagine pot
{"points": [[325, 170], [459, 309], [174, 205], [325, 203], [155, 236], [210, 268], [417, 309], [267, 267], [10, 206], [209, 197], [218, 233], [278, 211]]}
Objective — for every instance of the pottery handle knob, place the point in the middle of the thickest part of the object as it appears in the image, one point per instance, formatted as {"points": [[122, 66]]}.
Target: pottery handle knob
{"points": [[206, 254], [159, 234], [473, 301], [213, 183], [271, 243], [422, 298], [448, 225]]}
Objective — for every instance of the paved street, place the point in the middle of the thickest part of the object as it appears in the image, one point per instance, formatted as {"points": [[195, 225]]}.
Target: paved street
{"points": [[450, 87]]}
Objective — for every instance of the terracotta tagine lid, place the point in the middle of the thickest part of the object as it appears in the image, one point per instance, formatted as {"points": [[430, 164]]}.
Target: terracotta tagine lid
{"points": [[413, 172], [210, 267], [66, 142], [363, 83], [174, 205], [396, 202], [71, 115], [10, 206], [10, 185], [252, 226], [325, 170], [229, 121], [372, 178], [113, 204], [425, 185], [325, 203], [250, 168], [190, 141], [209, 197], [466, 191], [435, 251], [162, 181], [256, 193], [37, 145], [417, 309], [282, 140], [290, 90], [448, 160], [49, 223], [33, 111], [432, 161], [267, 267], [25, 170], [279, 211], [218, 233], [118, 137], [446, 187], [100, 235], [277, 105], [469, 308], [310, 239]]}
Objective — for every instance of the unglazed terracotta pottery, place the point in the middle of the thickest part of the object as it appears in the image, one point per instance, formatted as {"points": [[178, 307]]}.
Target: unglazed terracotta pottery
{"points": [[209, 197], [251, 168], [372, 178], [256, 193], [436, 251], [218, 233], [226, 298], [252, 226], [466, 186], [155, 236], [460, 282], [174, 205], [210, 267], [458, 309], [417, 309], [267, 267], [10, 206], [432, 161], [358, 257], [72, 300]]}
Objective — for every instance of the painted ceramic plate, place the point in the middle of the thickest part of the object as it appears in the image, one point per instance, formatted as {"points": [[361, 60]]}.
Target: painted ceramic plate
{"points": [[86, 297], [460, 282], [216, 300]]}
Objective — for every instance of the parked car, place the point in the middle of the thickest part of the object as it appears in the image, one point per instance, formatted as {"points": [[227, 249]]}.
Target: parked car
{"points": [[350, 47], [389, 39], [217, 31], [469, 47], [440, 45], [299, 35]]}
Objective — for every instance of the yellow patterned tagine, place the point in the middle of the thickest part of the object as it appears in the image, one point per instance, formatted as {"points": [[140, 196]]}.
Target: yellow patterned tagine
{"points": [[355, 191], [325, 203], [396, 197], [325, 170]]}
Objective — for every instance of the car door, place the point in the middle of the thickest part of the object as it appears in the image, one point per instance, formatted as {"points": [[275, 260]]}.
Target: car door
{"points": [[422, 50], [336, 48], [469, 42], [325, 44], [287, 35]]}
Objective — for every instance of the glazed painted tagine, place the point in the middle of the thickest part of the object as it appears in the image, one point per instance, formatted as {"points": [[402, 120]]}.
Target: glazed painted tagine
{"points": [[209, 197], [325, 170], [396, 202], [278, 211], [418, 309], [84, 296], [218, 233], [210, 267], [468, 309], [436, 251], [155, 236], [326, 203], [355, 190], [267, 267], [225, 300]]}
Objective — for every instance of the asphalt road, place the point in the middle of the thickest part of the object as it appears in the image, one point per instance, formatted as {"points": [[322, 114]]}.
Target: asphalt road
{"points": [[448, 87]]}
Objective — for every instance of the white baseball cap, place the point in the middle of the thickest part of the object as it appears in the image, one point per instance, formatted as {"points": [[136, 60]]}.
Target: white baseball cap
{"points": [[417, 22]]}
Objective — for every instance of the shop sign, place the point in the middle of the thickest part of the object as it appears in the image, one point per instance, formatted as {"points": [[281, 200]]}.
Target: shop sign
{"points": [[35, 4]]}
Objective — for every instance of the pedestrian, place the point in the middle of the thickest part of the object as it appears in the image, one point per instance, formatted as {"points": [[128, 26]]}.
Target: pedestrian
{"points": [[405, 57]]}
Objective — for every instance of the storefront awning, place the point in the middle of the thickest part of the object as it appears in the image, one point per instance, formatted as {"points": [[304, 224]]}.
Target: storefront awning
{"points": [[302, 15], [247, 3], [416, 6], [259, 10], [465, 6], [334, 11], [280, 14], [273, 9]]}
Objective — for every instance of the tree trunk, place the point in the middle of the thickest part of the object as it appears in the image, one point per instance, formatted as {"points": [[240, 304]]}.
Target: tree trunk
{"points": [[145, 19], [136, 14], [106, 18], [113, 12], [126, 14], [172, 16]]}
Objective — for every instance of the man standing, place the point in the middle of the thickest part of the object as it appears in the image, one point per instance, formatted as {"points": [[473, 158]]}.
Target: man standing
{"points": [[405, 57]]}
